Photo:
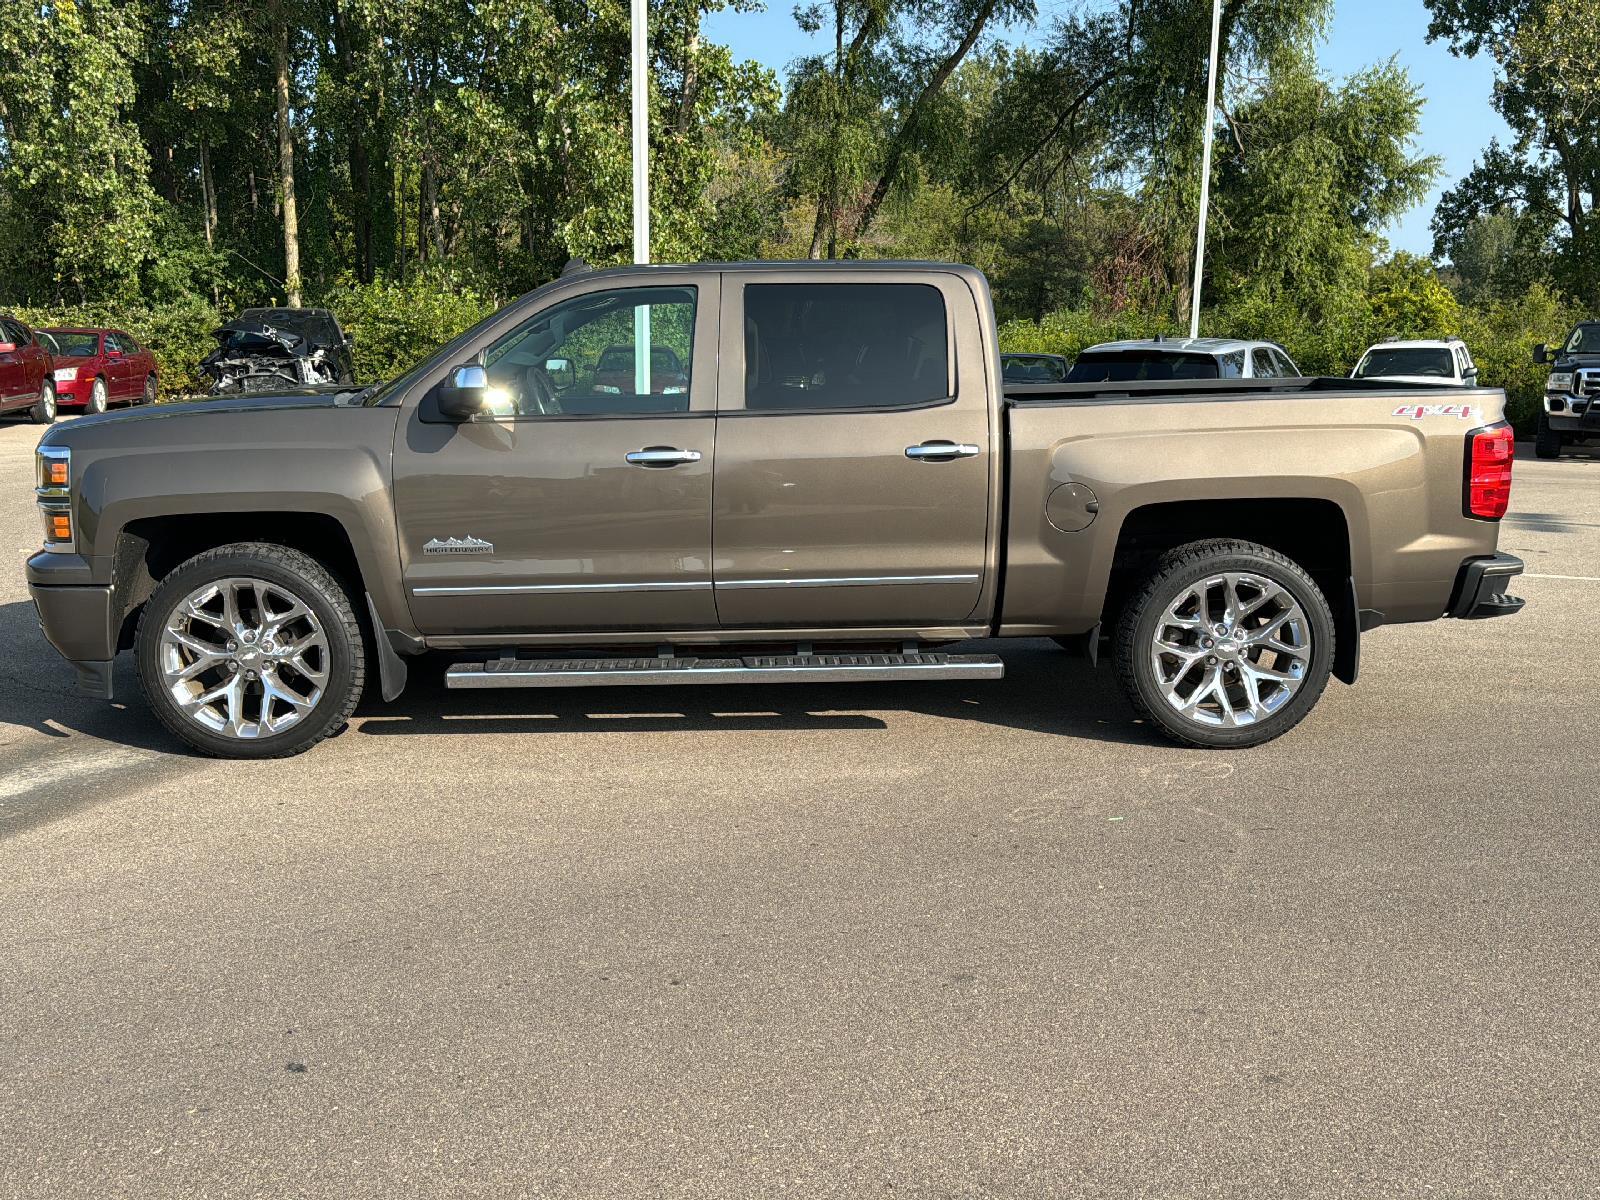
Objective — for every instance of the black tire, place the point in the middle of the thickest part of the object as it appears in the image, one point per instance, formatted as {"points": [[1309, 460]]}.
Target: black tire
{"points": [[148, 396], [1546, 441], [98, 393], [1182, 568], [44, 410], [305, 578]]}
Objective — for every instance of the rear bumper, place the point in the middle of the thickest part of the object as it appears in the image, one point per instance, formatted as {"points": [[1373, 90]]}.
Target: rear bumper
{"points": [[1481, 588], [77, 621]]}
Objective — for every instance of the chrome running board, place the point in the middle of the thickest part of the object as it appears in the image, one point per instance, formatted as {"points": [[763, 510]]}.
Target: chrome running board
{"points": [[764, 668]]}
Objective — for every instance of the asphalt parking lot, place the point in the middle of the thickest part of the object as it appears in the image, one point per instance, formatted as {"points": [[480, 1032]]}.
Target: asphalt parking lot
{"points": [[957, 940]]}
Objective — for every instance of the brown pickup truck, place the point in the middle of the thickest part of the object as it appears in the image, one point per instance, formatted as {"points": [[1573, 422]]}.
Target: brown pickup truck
{"points": [[835, 487]]}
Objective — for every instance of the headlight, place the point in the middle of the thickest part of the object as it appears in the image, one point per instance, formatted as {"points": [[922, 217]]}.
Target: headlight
{"points": [[54, 492], [1559, 381], [66, 374]]}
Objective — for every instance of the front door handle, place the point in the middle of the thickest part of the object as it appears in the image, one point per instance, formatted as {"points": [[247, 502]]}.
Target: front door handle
{"points": [[662, 456], [942, 451]]}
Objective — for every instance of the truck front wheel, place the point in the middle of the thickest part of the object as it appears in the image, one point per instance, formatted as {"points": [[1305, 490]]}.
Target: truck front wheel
{"points": [[251, 651], [1226, 644], [1546, 441]]}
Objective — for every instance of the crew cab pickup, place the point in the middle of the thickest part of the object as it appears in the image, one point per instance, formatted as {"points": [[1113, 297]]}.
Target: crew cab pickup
{"points": [[840, 490]]}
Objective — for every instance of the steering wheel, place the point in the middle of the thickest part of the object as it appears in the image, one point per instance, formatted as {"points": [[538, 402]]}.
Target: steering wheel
{"points": [[539, 397]]}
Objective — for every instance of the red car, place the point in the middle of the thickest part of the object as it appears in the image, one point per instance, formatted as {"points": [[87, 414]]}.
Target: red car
{"points": [[96, 368], [25, 368]]}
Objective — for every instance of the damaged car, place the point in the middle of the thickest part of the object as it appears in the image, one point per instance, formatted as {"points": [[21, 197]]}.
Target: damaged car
{"points": [[270, 349]]}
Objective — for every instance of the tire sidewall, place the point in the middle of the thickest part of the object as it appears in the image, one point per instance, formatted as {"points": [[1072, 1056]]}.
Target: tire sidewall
{"points": [[98, 398], [330, 710], [45, 408], [1318, 615]]}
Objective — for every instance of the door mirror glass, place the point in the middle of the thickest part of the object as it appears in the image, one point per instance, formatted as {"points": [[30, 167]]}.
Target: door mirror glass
{"points": [[467, 393], [1541, 353], [562, 373]]}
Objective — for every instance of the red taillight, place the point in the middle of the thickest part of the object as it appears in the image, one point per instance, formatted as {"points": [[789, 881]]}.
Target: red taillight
{"points": [[1489, 456]]}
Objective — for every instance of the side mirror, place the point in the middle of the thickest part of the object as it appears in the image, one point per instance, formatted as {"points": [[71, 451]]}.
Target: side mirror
{"points": [[463, 397], [349, 339], [1541, 354]]}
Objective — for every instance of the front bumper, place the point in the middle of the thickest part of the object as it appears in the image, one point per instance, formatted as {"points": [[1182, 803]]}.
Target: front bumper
{"points": [[77, 621], [1481, 588], [1572, 414]]}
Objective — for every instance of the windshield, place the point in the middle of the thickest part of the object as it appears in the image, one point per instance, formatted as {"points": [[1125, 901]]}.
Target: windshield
{"points": [[312, 324], [1042, 368], [1122, 366], [1407, 360], [1585, 339], [78, 345]]}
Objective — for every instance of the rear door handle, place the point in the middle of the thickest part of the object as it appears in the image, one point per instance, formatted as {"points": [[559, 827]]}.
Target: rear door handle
{"points": [[942, 451], [662, 456]]}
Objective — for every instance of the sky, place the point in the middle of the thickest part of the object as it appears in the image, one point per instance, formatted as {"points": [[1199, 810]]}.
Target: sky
{"points": [[1457, 119]]}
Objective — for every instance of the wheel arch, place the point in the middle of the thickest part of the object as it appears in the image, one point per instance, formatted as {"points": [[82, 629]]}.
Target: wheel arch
{"points": [[1313, 531]]}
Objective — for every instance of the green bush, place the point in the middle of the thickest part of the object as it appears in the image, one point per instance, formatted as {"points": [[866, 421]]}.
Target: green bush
{"points": [[397, 324], [178, 334]]}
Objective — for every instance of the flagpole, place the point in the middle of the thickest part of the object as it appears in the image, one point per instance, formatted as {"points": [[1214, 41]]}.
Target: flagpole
{"points": [[1205, 169], [641, 187]]}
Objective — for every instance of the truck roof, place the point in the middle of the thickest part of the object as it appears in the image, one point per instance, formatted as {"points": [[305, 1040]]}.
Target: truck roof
{"points": [[1182, 345]]}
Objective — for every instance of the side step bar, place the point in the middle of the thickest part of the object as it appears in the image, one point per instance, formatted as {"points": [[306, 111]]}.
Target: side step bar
{"points": [[766, 668]]}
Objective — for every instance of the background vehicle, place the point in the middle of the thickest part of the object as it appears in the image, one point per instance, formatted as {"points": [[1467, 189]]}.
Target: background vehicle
{"points": [[26, 365], [870, 493], [613, 372], [1443, 361], [1569, 413], [1182, 358], [1034, 368], [96, 368], [273, 349]]}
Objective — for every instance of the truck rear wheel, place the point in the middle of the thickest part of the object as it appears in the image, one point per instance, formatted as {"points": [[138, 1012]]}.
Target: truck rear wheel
{"points": [[1226, 644], [251, 651], [1546, 441]]}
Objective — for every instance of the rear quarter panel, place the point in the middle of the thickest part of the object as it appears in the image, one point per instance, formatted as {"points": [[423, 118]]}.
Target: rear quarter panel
{"points": [[1396, 478]]}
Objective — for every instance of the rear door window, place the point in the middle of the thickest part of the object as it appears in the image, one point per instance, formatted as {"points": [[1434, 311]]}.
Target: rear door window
{"points": [[831, 346], [1262, 365], [1127, 366]]}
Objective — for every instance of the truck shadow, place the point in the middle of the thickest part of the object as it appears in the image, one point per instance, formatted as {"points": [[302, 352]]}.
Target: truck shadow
{"points": [[1045, 691], [38, 692]]}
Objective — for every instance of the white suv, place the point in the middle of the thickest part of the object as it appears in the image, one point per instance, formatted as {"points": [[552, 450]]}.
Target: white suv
{"points": [[1444, 361]]}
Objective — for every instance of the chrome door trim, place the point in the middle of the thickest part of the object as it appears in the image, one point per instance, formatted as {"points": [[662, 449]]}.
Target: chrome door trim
{"points": [[846, 581], [522, 589]]}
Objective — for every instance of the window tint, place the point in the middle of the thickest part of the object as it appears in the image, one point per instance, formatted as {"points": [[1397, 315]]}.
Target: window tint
{"points": [[129, 346], [1407, 360], [1261, 365], [1585, 339], [844, 345], [1232, 365], [584, 356], [1123, 366], [78, 345], [114, 344], [1033, 368], [16, 332], [1285, 368]]}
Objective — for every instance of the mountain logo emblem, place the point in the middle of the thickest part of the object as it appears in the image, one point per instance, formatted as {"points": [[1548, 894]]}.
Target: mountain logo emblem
{"points": [[455, 545]]}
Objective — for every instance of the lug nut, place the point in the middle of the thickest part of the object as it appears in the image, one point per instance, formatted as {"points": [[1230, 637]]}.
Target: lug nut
{"points": [[1206, 643], [232, 646], [1211, 660]]}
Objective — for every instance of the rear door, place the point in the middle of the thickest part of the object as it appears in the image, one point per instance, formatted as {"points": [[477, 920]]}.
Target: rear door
{"points": [[854, 450]]}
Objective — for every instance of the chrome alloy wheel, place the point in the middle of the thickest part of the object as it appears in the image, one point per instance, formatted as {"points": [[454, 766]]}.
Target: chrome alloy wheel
{"points": [[1231, 649], [244, 658]]}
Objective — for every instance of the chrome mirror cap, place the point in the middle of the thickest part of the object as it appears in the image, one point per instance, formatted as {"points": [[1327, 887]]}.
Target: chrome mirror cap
{"points": [[471, 378]]}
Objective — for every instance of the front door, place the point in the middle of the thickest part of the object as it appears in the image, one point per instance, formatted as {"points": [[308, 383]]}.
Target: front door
{"points": [[854, 452], [582, 500]]}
